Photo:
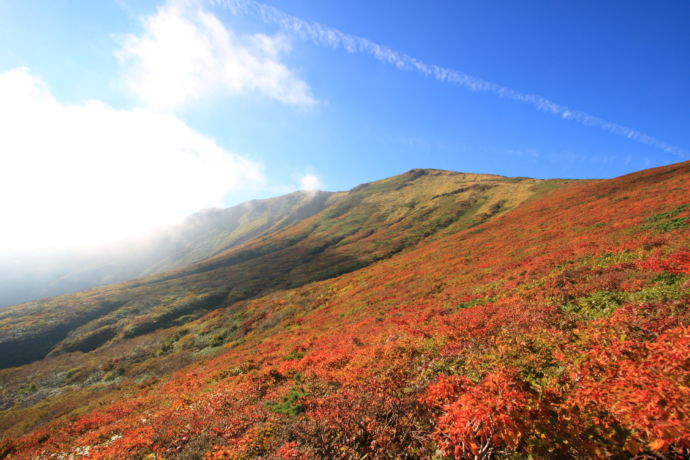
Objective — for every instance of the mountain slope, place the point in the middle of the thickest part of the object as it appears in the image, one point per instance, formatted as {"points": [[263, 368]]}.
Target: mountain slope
{"points": [[558, 329], [212, 231], [369, 223], [26, 277]]}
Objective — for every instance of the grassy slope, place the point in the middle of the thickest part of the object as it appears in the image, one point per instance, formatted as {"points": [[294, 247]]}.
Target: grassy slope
{"points": [[213, 231], [367, 224], [559, 329]]}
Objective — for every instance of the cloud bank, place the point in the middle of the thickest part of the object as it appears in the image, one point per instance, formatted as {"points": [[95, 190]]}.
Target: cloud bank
{"points": [[88, 173], [328, 36], [186, 55]]}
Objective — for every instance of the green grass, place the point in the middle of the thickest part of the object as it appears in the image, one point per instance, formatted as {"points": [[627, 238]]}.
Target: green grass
{"points": [[667, 221]]}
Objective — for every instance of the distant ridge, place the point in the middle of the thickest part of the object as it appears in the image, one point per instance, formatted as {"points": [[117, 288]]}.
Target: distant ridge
{"points": [[201, 235]]}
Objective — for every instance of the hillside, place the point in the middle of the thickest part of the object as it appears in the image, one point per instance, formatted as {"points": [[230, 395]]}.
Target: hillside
{"points": [[433, 314], [369, 223], [25, 277]]}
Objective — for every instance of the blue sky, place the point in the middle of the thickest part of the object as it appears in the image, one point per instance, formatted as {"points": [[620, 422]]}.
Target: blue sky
{"points": [[247, 106]]}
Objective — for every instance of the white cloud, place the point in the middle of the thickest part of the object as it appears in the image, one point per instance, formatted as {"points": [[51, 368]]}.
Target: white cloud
{"points": [[87, 173], [185, 55], [310, 183]]}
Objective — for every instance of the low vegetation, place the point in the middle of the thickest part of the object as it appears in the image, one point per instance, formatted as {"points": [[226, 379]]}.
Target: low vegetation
{"points": [[553, 325]]}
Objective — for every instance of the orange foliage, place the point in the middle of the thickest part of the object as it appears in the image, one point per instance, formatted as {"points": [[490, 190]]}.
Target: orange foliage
{"points": [[558, 330]]}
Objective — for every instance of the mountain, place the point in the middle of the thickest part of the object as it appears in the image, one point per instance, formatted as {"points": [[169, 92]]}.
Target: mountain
{"points": [[30, 276], [432, 314], [367, 224]]}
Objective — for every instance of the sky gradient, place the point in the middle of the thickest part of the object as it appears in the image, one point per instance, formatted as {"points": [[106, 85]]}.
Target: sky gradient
{"points": [[122, 115]]}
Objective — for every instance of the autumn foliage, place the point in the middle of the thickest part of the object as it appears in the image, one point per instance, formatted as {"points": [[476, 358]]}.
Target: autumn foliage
{"points": [[558, 330]]}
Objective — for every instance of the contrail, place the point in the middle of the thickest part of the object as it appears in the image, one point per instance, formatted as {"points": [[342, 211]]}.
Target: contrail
{"points": [[328, 36]]}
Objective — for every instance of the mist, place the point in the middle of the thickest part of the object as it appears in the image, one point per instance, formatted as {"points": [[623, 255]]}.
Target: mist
{"points": [[28, 274]]}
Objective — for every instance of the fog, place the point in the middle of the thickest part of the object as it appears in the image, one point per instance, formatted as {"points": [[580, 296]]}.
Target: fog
{"points": [[28, 274]]}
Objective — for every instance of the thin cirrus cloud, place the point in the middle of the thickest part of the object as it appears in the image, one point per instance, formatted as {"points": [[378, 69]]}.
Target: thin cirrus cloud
{"points": [[88, 174], [185, 55], [328, 36]]}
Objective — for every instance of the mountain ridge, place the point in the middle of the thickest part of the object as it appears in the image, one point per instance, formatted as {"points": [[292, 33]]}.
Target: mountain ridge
{"points": [[555, 318], [323, 245], [197, 237]]}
